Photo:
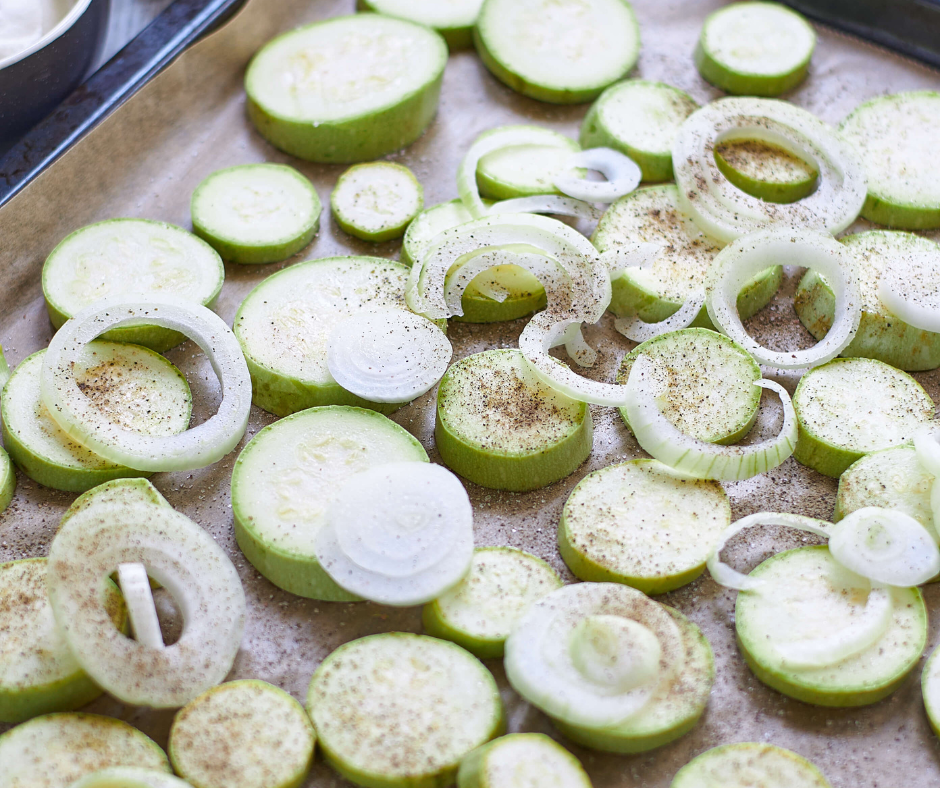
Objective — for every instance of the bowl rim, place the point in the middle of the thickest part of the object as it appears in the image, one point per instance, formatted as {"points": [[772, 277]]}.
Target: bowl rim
{"points": [[64, 24]]}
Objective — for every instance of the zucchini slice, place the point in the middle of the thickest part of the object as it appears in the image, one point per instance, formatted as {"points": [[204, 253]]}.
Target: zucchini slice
{"points": [[453, 19], [749, 764], [256, 213], [480, 611], [242, 734], [38, 673], [686, 365], [136, 258], [560, 51], [129, 777], [639, 118], [376, 201], [288, 475], [766, 171], [889, 479], [881, 335], [525, 170], [755, 49], [642, 524], [398, 710], [653, 215], [930, 686], [284, 327], [499, 426], [133, 386], [896, 138], [850, 407], [806, 595], [352, 88], [55, 750], [522, 760], [525, 293], [7, 480]]}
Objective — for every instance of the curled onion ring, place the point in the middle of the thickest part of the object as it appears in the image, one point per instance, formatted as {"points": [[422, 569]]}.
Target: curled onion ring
{"points": [[82, 421]]}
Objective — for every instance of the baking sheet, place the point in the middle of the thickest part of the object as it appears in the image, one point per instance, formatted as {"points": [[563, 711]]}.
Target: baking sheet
{"points": [[145, 161]]}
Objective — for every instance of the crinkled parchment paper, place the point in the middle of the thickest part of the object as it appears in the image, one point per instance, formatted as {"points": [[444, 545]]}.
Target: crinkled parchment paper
{"points": [[145, 161]]}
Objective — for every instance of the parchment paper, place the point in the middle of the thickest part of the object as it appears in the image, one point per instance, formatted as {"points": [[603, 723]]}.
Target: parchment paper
{"points": [[146, 159]]}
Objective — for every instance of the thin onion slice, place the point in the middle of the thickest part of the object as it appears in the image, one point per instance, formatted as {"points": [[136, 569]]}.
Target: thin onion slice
{"points": [[637, 330], [78, 417], [927, 446], [725, 212], [548, 203], [488, 142], [593, 654], [135, 588], [622, 173], [576, 346], [730, 578], [186, 561], [399, 534], [660, 438], [387, 355], [912, 290], [739, 262], [886, 546]]}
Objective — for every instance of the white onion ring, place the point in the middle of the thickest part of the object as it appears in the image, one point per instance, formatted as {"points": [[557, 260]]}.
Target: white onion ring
{"points": [[81, 420], [637, 330], [186, 561], [548, 203], [725, 212], [927, 446], [661, 439], [387, 355], [739, 262], [906, 556], [622, 173], [135, 588]]}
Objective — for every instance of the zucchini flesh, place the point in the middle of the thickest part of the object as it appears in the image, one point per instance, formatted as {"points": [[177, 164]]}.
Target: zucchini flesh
{"points": [[749, 764], [765, 170], [377, 201]]}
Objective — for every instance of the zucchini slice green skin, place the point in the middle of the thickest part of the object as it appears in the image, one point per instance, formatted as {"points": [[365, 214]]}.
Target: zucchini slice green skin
{"points": [[525, 170], [7, 480], [503, 578], [377, 750], [361, 133], [242, 734], [930, 683], [520, 760], [290, 457], [737, 765], [56, 683], [639, 118], [614, 19], [652, 214], [294, 190], [613, 523], [46, 454], [902, 172], [669, 714], [693, 359], [881, 335], [766, 171], [845, 387], [457, 33], [471, 442], [715, 66], [898, 651]]}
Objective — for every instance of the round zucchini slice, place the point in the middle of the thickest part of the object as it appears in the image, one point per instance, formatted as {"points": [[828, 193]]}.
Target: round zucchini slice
{"points": [[521, 760], [376, 201], [680, 270], [642, 524], [480, 611], [749, 764], [896, 138], [755, 49], [850, 407], [524, 170], [256, 213], [288, 475], [930, 686], [55, 750], [242, 734], [38, 673], [134, 258], [398, 710], [639, 118], [806, 595], [453, 19], [313, 92], [499, 426], [766, 171], [881, 335]]}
